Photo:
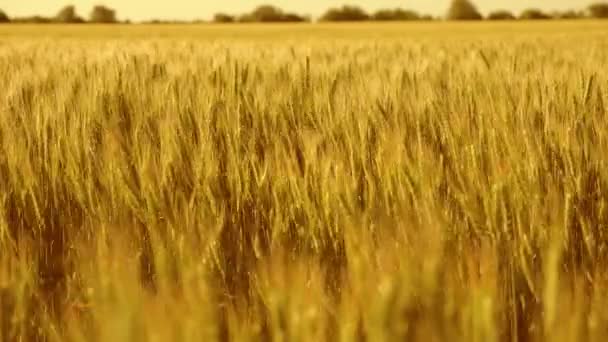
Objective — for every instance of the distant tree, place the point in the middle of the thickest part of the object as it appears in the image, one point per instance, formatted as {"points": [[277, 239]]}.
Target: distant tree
{"points": [[4, 18], [570, 14], [68, 15], [102, 14], [270, 14], [463, 10], [245, 18], [427, 17], [395, 14], [155, 22], [534, 14], [501, 15], [599, 10], [345, 13], [293, 18], [267, 13], [33, 20], [223, 18]]}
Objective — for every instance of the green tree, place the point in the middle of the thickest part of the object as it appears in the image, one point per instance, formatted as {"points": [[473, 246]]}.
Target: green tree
{"points": [[68, 15], [501, 15], [395, 14], [102, 14], [345, 13], [599, 10], [534, 14], [4, 18], [463, 10]]}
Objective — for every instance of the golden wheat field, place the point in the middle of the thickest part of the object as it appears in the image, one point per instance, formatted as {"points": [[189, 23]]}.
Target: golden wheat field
{"points": [[369, 182]]}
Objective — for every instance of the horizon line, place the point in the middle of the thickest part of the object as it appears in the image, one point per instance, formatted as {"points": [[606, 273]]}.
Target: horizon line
{"points": [[208, 18]]}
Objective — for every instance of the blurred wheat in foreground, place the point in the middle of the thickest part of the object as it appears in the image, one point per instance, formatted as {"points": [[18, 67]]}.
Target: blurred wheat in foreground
{"points": [[422, 183]]}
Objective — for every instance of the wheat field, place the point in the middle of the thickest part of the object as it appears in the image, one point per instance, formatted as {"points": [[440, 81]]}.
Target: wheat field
{"points": [[410, 182]]}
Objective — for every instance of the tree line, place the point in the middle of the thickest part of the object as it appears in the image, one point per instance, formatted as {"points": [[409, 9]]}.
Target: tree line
{"points": [[466, 10], [268, 13], [458, 10], [99, 14]]}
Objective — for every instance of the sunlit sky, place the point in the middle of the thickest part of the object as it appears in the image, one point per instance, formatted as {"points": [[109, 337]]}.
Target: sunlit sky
{"points": [[204, 9]]}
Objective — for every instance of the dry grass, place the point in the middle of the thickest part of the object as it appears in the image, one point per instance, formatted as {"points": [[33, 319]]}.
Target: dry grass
{"points": [[426, 182]]}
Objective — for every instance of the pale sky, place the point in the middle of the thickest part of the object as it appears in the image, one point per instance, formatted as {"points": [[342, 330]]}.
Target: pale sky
{"points": [[204, 9]]}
